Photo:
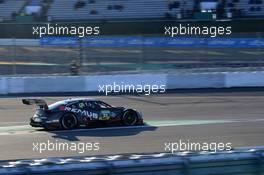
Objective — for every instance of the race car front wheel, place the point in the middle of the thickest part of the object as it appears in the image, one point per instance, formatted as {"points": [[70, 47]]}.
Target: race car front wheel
{"points": [[69, 121], [129, 118]]}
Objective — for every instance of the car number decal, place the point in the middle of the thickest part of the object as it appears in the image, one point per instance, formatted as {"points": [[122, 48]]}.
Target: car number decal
{"points": [[104, 115]]}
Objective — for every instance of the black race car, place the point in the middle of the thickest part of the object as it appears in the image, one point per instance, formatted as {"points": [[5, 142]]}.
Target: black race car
{"points": [[75, 113]]}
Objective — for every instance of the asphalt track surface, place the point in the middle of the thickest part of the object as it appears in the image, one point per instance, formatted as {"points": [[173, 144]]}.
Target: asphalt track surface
{"points": [[235, 117]]}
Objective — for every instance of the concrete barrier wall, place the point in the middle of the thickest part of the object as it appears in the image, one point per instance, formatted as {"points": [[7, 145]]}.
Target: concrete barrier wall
{"points": [[54, 84], [92, 82], [193, 80], [236, 162], [15, 85], [58, 84], [3, 86], [244, 79]]}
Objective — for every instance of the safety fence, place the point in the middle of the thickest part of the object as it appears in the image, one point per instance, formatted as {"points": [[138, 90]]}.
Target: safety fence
{"points": [[123, 54]]}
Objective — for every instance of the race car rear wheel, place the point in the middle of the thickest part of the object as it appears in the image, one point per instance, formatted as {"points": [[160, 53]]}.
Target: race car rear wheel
{"points": [[130, 118], [69, 121]]}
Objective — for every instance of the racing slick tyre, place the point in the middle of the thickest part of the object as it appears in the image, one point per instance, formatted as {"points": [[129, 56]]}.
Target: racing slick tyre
{"points": [[130, 118], [49, 128], [69, 121]]}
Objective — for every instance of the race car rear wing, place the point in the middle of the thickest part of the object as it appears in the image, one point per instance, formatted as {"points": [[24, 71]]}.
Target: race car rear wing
{"points": [[39, 102]]}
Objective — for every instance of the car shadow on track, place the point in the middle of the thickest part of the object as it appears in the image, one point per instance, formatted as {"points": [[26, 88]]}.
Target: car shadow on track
{"points": [[73, 135]]}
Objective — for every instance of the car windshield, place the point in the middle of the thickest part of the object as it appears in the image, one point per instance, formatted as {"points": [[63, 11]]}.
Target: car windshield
{"points": [[103, 104]]}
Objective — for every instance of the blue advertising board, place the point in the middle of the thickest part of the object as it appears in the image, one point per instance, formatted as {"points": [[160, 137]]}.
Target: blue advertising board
{"points": [[153, 42]]}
